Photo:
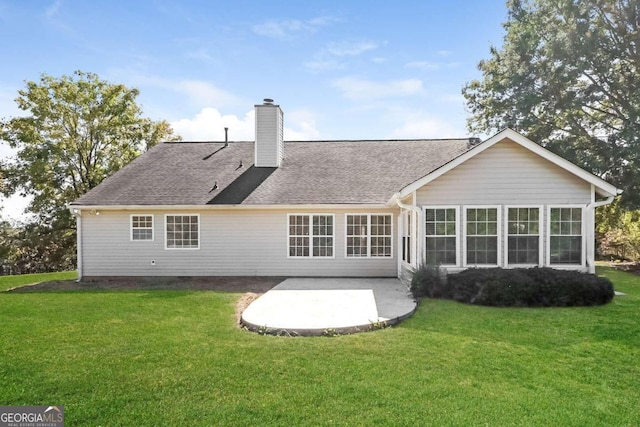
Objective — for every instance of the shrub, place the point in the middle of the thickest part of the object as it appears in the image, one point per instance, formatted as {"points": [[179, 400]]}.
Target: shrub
{"points": [[529, 287], [428, 281]]}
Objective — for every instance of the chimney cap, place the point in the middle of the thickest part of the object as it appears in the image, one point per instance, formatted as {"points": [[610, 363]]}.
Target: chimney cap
{"points": [[268, 101]]}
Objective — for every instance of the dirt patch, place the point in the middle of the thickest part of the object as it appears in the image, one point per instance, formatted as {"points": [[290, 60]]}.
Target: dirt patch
{"points": [[243, 284], [243, 303], [629, 266]]}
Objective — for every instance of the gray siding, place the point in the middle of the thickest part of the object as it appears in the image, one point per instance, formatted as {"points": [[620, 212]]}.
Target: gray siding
{"points": [[232, 242], [505, 174]]}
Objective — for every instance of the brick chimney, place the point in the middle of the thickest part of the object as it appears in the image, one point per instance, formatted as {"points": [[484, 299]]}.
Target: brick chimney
{"points": [[269, 146]]}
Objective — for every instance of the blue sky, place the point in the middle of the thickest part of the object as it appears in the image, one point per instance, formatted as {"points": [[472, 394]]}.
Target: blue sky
{"points": [[339, 69]]}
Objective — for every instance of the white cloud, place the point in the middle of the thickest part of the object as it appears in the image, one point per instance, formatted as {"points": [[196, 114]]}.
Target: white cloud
{"points": [[209, 124], [444, 52], [51, 11], [347, 48], [360, 89], [423, 125], [204, 93], [324, 65], [423, 65], [285, 29]]}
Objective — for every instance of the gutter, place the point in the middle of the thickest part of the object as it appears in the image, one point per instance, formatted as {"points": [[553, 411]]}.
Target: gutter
{"points": [[78, 214]]}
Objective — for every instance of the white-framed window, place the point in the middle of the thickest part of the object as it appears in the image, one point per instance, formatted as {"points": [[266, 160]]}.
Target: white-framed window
{"points": [[523, 231], [482, 236], [182, 231], [369, 236], [407, 232], [311, 235], [141, 228], [441, 230], [566, 236]]}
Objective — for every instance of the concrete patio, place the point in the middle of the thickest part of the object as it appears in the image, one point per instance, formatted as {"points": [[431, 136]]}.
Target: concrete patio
{"points": [[316, 306]]}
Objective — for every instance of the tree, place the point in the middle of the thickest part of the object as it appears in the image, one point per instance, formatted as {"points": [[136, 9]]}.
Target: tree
{"points": [[78, 130], [568, 77]]}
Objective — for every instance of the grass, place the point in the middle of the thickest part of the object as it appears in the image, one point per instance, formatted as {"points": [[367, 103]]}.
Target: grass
{"points": [[177, 358], [8, 282]]}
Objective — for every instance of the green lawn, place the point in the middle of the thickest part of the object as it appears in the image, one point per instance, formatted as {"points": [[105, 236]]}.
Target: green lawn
{"points": [[153, 358]]}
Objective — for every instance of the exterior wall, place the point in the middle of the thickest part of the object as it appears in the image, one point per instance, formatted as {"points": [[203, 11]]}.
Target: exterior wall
{"points": [[505, 174], [269, 144], [508, 175], [238, 242]]}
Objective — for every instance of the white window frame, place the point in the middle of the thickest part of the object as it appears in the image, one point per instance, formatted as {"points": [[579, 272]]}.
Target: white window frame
{"points": [[131, 228], [458, 219], [541, 227], [406, 236], [368, 215], [582, 232], [498, 208], [311, 236], [166, 232]]}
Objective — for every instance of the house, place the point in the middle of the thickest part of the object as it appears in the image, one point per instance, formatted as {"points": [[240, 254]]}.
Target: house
{"points": [[338, 208]]}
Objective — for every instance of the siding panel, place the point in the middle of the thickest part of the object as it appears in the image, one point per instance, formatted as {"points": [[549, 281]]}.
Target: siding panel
{"points": [[232, 243], [505, 174]]}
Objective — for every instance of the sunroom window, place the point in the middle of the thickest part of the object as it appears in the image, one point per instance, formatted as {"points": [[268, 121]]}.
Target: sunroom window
{"points": [[565, 240], [523, 236], [441, 236], [482, 236]]}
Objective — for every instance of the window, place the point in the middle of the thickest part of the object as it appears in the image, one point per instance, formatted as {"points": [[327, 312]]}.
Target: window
{"points": [[311, 236], [141, 227], [407, 226], [482, 236], [523, 236], [369, 236], [442, 235], [182, 231], [565, 235]]}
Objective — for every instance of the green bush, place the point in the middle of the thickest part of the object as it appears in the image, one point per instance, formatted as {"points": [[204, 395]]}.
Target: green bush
{"points": [[428, 281], [529, 287]]}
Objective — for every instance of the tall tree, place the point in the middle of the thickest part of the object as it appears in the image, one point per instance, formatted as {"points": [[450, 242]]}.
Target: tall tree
{"points": [[77, 130], [568, 77]]}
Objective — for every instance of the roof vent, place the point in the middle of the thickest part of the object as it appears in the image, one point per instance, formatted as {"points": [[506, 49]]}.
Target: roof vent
{"points": [[268, 101]]}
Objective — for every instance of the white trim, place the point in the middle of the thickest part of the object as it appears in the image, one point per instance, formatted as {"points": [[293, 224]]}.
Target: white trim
{"points": [[605, 188], [541, 224], [78, 216], [583, 254], [153, 230], [165, 232], [498, 209], [203, 207], [311, 236], [458, 225], [368, 215]]}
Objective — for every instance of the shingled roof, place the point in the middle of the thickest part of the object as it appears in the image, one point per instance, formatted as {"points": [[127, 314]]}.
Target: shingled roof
{"points": [[312, 173]]}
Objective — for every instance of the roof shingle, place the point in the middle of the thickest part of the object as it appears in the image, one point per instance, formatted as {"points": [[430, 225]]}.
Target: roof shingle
{"points": [[318, 172]]}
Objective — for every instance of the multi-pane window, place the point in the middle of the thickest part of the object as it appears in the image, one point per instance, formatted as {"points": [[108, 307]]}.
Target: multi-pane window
{"points": [[565, 240], [182, 232], [368, 235], [523, 236], [407, 225], [441, 235], [311, 235], [482, 236], [141, 227]]}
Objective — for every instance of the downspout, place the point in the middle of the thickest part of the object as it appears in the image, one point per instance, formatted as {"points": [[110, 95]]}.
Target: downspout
{"points": [[417, 233], [591, 212]]}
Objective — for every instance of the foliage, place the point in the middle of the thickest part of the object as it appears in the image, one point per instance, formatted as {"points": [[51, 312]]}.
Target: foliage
{"points": [[620, 239], [568, 76], [428, 281], [77, 130], [178, 358], [530, 287]]}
